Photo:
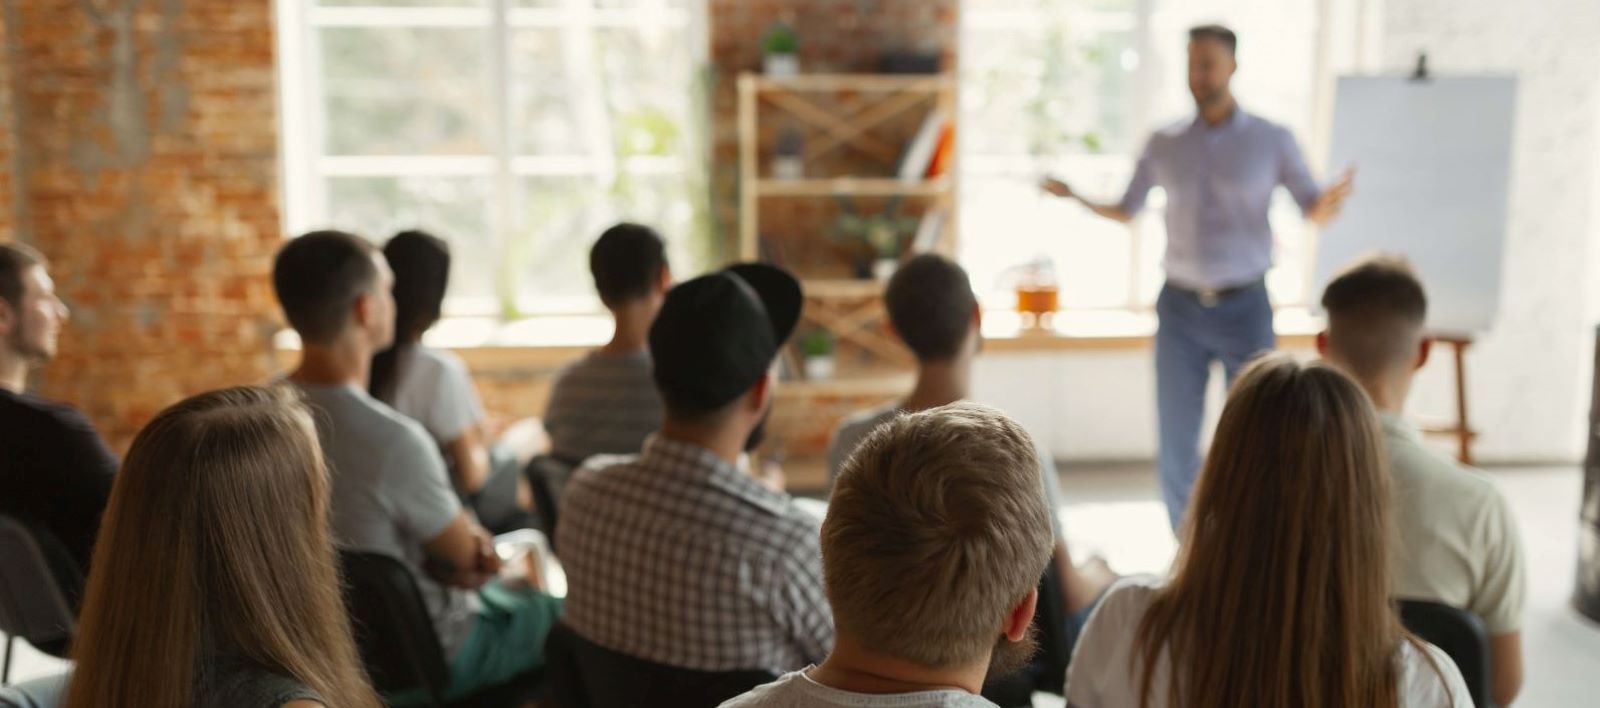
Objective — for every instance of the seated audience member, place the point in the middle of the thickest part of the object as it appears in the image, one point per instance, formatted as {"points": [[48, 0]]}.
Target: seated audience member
{"points": [[434, 388], [932, 548], [215, 582], [55, 472], [1459, 542], [606, 403], [679, 555], [1280, 595], [933, 311], [390, 493]]}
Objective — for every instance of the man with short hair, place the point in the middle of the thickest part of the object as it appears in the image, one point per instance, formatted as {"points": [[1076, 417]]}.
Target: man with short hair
{"points": [[1219, 170], [934, 312], [391, 494], [932, 548], [55, 471], [679, 555], [605, 403], [1458, 539]]}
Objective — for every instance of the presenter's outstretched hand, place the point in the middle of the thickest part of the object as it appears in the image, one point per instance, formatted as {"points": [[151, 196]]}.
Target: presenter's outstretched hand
{"points": [[1055, 186], [1328, 205]]}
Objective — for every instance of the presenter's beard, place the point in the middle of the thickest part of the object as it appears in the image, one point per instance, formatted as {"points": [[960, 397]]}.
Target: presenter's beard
{"points": [[1009, 657]]}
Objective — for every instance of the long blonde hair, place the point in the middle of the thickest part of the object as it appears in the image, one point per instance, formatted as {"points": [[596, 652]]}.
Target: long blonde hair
{"points": [[216, 545], [1281, 592]]}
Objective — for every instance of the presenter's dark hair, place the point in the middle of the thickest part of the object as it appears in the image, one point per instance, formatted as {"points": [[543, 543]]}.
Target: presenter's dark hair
{"points": [[1216, 33]]}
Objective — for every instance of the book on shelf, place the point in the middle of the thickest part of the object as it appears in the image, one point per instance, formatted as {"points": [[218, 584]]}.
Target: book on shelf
{"points": [[929, 231], [940, 163], [919, 152]]}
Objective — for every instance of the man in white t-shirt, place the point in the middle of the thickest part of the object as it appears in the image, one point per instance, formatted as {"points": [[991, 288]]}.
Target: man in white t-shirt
{"points": [[931, 552], [1459, 542]]}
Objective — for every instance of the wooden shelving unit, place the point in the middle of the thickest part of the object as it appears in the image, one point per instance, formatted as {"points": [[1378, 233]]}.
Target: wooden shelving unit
{"points": [[851, 309]]}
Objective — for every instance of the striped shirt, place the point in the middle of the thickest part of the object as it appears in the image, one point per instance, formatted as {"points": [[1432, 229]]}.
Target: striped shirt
{"points": [[602, 404], [678, 557]]}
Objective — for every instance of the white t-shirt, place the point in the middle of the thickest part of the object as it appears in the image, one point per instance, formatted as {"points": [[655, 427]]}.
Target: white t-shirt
{"points": [[435, 389], [1102, 676], [797, 690]]}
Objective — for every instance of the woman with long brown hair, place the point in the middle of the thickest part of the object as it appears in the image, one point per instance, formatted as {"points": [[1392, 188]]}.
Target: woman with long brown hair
{"points": [[214, 581], [1280, 595]]}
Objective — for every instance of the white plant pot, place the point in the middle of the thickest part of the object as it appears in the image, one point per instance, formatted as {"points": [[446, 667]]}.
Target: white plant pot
{"points": [[884, 268], [788, 167], [781, 64], [820, 367]]}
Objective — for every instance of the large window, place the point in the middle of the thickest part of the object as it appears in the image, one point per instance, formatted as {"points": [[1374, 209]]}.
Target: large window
{"points": [[1073, 88], [515, 129]]}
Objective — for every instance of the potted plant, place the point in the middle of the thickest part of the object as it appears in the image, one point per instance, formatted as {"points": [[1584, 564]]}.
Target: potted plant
{"points": [[817, 354], [875, 238], [788, 155], [780, 51]]}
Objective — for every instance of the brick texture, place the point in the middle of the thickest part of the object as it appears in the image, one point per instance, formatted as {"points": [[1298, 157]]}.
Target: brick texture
{"points": [[146, 136]]}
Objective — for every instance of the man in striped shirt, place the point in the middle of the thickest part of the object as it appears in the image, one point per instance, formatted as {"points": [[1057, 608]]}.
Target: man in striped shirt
{"points": [[605, 403]]}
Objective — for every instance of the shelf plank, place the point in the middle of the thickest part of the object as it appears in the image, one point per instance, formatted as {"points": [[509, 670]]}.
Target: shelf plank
{"points": [[851, 186], [841, 288], [932, 83]]}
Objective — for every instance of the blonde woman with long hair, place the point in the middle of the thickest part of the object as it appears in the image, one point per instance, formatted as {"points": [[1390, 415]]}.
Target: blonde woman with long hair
{"points": [[1280, 595], [214, 580]]}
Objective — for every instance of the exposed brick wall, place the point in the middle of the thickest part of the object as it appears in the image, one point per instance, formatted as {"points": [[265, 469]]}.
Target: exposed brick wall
{"points": [[8, 221], [147, 138]]}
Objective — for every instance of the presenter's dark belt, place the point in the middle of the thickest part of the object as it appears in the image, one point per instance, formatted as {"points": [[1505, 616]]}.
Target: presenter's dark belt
{"points": [[1213, 297]]}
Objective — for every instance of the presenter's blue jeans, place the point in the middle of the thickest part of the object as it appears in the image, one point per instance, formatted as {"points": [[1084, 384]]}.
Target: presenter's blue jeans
{"points": [[1190, 336]]}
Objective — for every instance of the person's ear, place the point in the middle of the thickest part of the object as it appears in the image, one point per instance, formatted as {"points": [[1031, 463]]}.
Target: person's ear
{"points": [[363, 311], [888, 328], [664, 279], [1021, 616], [762, 392], [8, 318], [1322, 344], [1424, 349]]}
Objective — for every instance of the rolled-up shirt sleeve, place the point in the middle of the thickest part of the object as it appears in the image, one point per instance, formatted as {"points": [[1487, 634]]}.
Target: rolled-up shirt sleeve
{"points": [[1293, 173], [1144, 178]]}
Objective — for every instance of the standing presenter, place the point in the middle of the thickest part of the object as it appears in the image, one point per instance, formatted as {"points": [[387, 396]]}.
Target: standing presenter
{"points": [[1219, 171]]}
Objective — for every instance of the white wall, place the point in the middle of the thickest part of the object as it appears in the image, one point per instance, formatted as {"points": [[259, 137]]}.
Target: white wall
{"points": [[1529, 378]]}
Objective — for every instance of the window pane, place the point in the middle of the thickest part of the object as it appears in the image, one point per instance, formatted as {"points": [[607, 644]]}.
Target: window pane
{"points": [[405, 90], [646, 75], [1008, 222], [553, 84], [453, 208]]}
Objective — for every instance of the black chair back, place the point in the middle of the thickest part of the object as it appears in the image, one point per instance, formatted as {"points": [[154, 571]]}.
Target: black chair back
{"points": [[392, 627], [546, 476], [582, 674], [33, 604], [1459, 634], [1048, 669]]}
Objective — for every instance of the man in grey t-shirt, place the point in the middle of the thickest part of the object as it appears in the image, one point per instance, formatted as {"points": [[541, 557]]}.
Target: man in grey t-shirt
{"points": [[933, 545], [390, 491]]}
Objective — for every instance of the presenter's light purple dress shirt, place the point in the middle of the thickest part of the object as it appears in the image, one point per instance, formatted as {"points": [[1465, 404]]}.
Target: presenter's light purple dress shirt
{"points": [[1219, 181]]}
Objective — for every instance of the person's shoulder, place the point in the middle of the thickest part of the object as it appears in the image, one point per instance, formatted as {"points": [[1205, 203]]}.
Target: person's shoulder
{"points": [[1127, 599], [778, 694], [439, 359], [859, 423], [240, 683], [1430, 678], [27, 409], [1434, 475], [598, 470]]}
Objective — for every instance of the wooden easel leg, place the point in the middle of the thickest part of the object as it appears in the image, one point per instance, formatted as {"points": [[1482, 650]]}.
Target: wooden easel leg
{"points": [[1463, 428]]}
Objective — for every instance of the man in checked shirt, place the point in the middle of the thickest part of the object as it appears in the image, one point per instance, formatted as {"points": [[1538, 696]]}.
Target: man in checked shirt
{"points": [[680, 555]]}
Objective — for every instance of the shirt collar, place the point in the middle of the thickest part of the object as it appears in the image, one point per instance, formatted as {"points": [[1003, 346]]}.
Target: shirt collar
{"points": [[699, 464], [1396, 425], [1235, 120]]}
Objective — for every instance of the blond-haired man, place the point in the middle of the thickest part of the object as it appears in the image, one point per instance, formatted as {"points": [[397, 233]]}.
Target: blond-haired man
{"points": [[935, 538]]}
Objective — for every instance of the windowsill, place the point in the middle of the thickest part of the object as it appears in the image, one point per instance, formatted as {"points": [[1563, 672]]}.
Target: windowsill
{"points": [[1002, 331]]}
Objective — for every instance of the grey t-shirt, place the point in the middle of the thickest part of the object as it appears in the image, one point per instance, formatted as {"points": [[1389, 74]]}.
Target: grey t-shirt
{"points": [[855, 428], [390, 494], [602, 404], [797, 690]]}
